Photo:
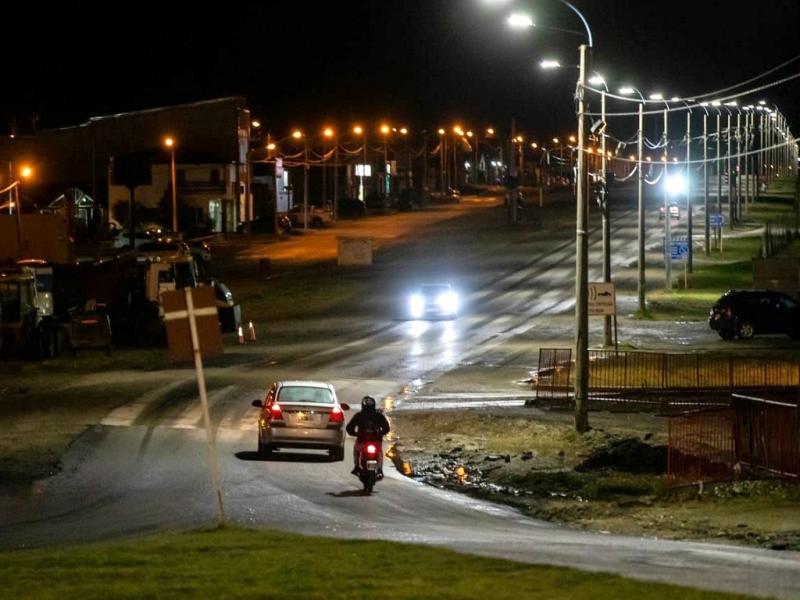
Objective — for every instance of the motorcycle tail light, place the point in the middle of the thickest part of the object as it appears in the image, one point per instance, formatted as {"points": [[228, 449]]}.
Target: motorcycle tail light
{"points": [[372, 449]]}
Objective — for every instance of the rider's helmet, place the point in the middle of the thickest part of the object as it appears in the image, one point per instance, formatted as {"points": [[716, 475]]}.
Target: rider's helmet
{"points": [[368, 403]]}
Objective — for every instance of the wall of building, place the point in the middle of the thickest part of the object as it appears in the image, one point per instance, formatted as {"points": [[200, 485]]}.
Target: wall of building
{"points": [[79, 156], [43, 236], [196, 187]]}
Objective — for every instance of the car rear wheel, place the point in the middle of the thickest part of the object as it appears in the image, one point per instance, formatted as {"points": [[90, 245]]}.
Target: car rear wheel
{"points": [[745, 330], [265, 450], [316, 223], [337, 454]]}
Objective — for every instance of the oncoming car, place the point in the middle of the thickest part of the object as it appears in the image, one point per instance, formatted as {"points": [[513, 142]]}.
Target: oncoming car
{"points": [[432, 301], [301, 414]]}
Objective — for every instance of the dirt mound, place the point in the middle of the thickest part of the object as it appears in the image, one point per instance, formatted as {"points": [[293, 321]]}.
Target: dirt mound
{"points": [[629, 455]]}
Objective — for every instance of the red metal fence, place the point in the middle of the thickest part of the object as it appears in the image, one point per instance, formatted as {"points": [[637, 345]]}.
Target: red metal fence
{"points": [[754, 437], [656, 378]]}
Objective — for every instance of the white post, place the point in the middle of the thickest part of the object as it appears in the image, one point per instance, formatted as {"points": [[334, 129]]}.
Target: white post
{"points": [[213, 459]]}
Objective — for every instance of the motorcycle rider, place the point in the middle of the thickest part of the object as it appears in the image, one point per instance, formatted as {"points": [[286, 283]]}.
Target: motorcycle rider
{"points": [[368, 425]]}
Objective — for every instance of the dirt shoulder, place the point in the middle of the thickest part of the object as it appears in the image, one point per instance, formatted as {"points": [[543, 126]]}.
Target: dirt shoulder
{"points": [[609, 480]]}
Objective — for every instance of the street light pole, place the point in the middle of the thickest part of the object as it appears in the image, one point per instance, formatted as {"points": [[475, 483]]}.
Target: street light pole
{"points": [[718, 164], [731, 210], [305, 182], [169, 142], [336, 179], [706, 220], [608, 339], [689, 205], [641, 287], [667, 216], [581, 261]]}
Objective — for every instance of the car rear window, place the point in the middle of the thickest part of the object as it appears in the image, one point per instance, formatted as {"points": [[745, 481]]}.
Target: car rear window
{"points": [[297, 393]]}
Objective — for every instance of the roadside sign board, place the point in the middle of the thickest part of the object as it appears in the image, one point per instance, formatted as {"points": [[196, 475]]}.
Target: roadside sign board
{"points": [[602, 299], [278, 167], [716, 220], [176, 318], [679, 249], [354, 251], [193, 333]]}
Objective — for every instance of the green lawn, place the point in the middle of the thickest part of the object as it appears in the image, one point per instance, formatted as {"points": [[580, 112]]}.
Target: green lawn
{"points": [[233, 563], [729, 269]]}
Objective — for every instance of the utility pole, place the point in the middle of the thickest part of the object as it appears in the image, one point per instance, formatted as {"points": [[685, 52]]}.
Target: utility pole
{"points": [[581, 262], [424, 162], [336, 177], [513, 173], [608, 338], [324, 178], [731, 210], [475, 164], [455, 163], [718, 162], [706, 220], [667, 216], [174, 190], [386, 180], [760, 157], [641, 284], [442, 148], [689, 205], [738, 165], [364, 176], [746, 157], [305, 182]]}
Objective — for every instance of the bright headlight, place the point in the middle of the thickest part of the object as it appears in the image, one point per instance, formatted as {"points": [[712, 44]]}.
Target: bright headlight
{"points": [[416, 305], [448, 302]]}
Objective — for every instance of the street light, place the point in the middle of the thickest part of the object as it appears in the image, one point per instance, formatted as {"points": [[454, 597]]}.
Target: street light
{"points": [[386, 130], [25, 172], [550, 64], [362, 192], [169, 142], [519, 20], [298, 135]]}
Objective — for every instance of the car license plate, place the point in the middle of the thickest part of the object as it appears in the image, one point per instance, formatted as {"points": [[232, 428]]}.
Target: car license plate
{"points": [[301, 416], [372, 465]]}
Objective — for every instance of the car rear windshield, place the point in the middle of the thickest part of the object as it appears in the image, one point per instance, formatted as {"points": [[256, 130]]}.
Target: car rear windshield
{"points": [[298, 393]]}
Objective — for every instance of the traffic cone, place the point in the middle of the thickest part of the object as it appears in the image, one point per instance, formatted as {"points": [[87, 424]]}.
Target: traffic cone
{"points": [[241, 335], [252, 331]]}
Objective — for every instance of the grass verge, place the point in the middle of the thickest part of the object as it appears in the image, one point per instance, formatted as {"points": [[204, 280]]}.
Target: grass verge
{"points": [[234, 563]]}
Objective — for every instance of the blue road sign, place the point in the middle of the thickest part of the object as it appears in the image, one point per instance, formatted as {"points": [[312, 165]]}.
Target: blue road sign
{"points": [[716, 220], [679, 249]]}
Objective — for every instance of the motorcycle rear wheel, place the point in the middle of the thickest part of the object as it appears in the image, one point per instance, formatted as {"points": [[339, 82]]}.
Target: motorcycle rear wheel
{"points": [[368, 479]]}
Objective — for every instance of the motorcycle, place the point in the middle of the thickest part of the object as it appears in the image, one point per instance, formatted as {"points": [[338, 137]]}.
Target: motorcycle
{"points": [[369, 465]]}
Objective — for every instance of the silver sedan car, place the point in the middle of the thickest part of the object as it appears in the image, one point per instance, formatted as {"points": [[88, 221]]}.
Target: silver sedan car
{"points": [[301, 414]]}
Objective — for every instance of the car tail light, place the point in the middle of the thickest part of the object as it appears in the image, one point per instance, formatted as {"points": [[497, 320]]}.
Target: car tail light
{"points": [[372, 449], [275, 412], [88, 321], [336, 416]]}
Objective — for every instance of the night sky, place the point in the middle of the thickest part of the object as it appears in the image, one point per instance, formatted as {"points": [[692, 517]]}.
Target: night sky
{"points": [[420, 62]]}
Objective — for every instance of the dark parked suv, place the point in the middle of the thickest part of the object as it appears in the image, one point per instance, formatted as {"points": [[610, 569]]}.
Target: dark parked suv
{"points": [[746, 313]]}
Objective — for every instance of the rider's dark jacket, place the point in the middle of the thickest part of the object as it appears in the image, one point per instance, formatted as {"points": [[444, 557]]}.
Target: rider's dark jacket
{"points": [[368, 426]]}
